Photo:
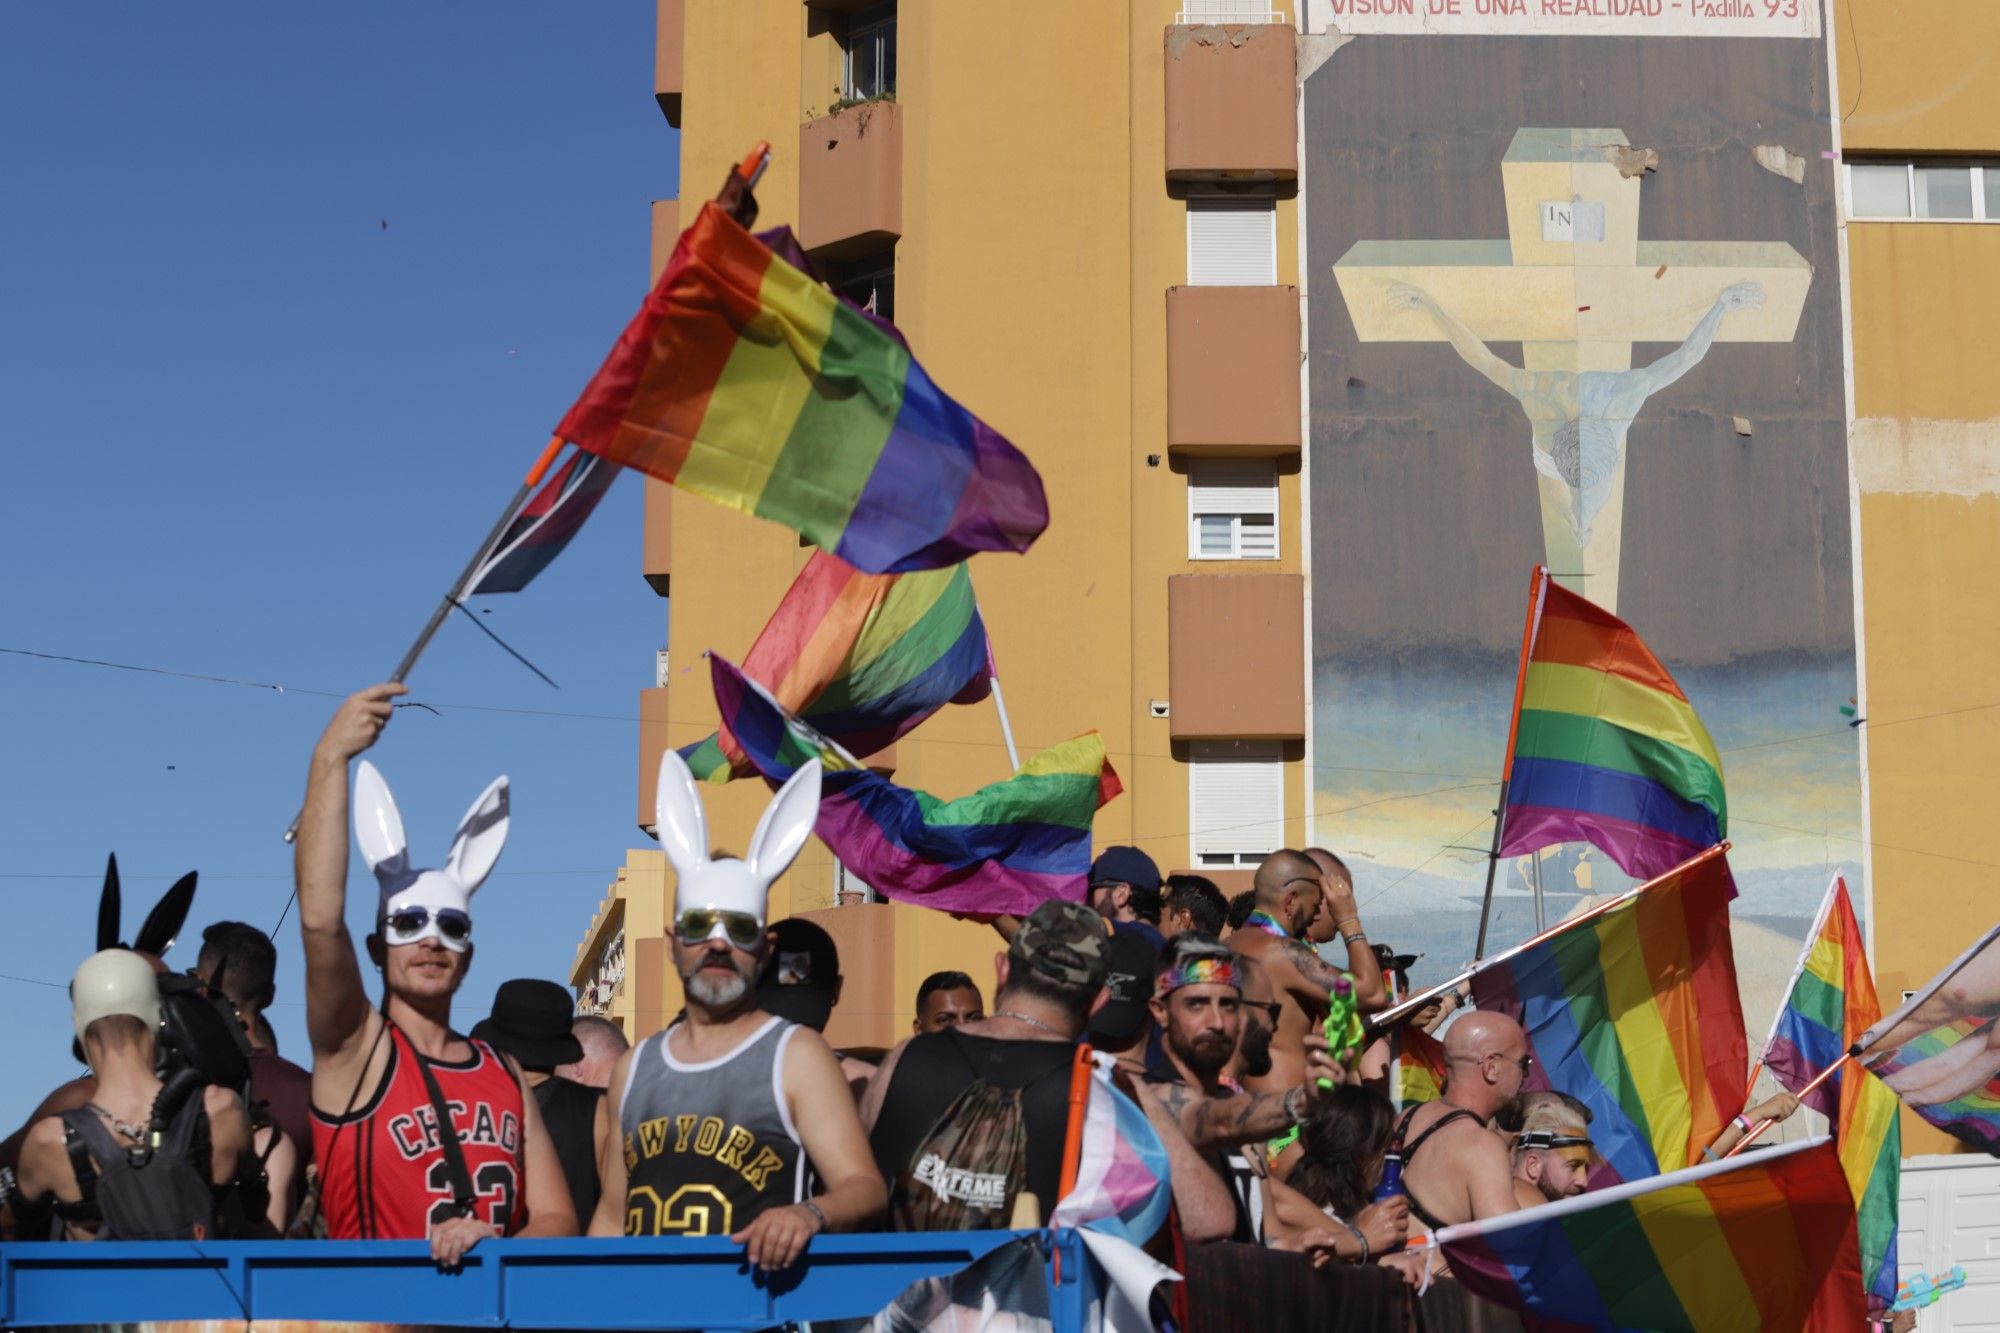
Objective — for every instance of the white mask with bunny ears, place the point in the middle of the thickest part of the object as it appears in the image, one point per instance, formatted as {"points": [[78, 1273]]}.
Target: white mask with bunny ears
{"points": [[730, 885], [440, 895]]}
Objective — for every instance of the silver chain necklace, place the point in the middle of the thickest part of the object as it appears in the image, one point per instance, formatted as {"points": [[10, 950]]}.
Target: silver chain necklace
{"points": [[1031, 1022], [137, 1133]]}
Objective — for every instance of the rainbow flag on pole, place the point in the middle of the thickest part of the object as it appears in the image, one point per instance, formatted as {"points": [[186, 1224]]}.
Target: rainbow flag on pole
{"points": [[1830, 1004], [1419, 1066], [1746, 1245], [862, 658], [1006, 848], [1607, 749], [1634, 1011], [744, 380]]}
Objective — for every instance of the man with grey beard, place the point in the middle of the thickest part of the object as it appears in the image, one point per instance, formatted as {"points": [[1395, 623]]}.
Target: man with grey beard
{"points": [[721, 1113]]}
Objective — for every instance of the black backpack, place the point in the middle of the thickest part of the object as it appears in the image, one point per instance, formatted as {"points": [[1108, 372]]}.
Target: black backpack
{"points": [[154, 1190]]}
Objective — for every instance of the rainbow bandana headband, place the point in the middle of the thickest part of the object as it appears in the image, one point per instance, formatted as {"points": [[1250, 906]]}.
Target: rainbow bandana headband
{"points": [[1199, 972]]}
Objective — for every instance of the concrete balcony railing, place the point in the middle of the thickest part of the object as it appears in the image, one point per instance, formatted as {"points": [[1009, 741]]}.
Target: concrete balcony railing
{"points": [[657, 548], [1236, 656], [1231, 102], [654, 738], [1233, 370], [851, 181], [668, 42]]}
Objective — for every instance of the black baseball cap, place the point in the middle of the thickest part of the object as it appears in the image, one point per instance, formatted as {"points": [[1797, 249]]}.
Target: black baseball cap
{"points": [[801, 979], [1131, 963]]}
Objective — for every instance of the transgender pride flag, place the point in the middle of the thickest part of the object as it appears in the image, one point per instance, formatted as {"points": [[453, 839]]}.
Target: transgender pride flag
{"points": [[1121, 1179]]}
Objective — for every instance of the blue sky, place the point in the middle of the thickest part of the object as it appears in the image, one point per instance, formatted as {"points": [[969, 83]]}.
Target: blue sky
{"points": [[254, 434]]}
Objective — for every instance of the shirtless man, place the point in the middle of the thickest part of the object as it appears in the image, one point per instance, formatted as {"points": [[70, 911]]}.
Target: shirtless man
{"points": [[1455, 1168], [1551, 1152], [1289, 887]]}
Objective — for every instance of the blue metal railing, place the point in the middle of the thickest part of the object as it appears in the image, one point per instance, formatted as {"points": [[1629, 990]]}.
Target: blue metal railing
{"points": [[649, 1283]]}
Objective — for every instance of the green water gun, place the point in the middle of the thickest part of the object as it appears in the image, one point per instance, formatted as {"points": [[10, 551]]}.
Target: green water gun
{"points": [[1344, 1034]]}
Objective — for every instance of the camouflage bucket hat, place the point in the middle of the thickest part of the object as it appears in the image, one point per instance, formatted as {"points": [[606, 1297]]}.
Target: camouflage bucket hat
{"points": [[1065, 942]]}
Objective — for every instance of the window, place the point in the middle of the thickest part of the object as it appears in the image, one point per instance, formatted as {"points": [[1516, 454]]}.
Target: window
{"points": [[848, 889], [1232, 241], [870, 283], [1232, 512], [1938, 191], [869, 64], [1236, 802]]}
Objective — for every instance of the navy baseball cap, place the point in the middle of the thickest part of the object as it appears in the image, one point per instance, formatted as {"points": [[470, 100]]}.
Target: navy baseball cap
{"points": [[1125, 865]]}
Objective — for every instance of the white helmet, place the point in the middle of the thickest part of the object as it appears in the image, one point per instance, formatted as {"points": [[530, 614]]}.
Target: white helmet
{"points": [[116, 981]]}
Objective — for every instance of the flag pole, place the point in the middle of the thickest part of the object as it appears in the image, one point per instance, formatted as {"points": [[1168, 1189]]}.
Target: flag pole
{"points": [[457, 592], [1379, 1023], [1536, 582], [1006, 727]]}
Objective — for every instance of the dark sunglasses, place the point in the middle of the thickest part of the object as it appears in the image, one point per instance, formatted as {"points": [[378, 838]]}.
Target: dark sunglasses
{"points": [[407, 924], [1274, 1008]]}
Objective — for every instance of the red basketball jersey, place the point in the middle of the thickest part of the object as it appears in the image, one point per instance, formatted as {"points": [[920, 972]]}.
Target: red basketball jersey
{"points": [[382, 1169]]}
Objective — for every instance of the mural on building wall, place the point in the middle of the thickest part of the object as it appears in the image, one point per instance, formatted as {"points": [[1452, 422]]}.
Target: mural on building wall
{"points": [[1575, 299]]}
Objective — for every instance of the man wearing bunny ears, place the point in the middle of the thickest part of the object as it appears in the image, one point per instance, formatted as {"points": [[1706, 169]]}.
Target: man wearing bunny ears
{"points": [[388, 1171], [720, 1114]]}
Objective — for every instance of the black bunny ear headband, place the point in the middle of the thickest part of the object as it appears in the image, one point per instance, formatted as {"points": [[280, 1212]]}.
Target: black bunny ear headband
{"points": [[163, 924]]}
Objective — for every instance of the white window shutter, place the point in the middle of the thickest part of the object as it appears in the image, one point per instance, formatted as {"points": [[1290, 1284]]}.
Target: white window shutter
{"points": [[1232, 241], [1232, 512], [1236, 798]]}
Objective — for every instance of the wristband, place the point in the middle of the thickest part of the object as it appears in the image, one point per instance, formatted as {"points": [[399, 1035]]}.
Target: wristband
{"points": [[813, 1208], [1358, 937], [1359, 1239], [1344, 920], [1743, 1124]]}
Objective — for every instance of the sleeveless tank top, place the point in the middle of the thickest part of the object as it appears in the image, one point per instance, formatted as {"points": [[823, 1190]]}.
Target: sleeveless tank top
{"points": [[382, 1170], [708, 1146]]}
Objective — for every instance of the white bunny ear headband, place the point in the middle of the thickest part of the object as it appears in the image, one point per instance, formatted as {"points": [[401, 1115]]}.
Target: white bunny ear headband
{"points": [[427, 904], [730, 885]]}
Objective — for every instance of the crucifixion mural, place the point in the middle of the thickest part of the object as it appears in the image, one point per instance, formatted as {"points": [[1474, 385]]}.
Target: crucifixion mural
{"points": [[1576, 287]]}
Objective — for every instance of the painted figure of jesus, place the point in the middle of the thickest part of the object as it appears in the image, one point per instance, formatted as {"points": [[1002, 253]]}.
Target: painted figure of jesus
{"points": [[1580, 419]]}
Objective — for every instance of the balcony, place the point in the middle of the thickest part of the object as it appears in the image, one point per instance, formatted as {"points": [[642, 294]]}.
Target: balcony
{"points": [[1233, 370], [1231, 101], [851, 181], [656, 558], [668, 40], [1236, 656], [653, 741]]}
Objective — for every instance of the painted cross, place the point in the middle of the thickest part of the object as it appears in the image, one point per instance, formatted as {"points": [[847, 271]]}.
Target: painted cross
{"points": [[1576, 287]]}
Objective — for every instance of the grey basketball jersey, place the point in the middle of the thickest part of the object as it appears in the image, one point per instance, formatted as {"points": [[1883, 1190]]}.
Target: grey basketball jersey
{"points": [[708, 1146]]}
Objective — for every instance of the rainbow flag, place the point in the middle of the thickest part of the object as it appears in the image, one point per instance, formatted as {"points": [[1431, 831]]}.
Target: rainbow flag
{"points": [[1917, 1049], [1606, 747], [1419, 1066], [862, 658], [1972, 1117], [545, 524], [1634, 1011], [744, 380], [1750, 1244], [1831, 1003], [1006, 848]]}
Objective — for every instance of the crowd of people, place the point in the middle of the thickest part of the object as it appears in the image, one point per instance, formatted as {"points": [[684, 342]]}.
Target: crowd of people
{"points": [[738, 1118]]}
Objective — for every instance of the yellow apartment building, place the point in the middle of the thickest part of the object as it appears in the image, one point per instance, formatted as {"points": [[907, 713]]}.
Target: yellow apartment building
{"points": [[1251, 288]]}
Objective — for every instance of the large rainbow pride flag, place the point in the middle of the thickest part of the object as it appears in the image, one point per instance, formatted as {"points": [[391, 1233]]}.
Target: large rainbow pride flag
{"points": [[1634, 1011], [861, 658], [1607, 748], [1006, 848], [1831, 1003], [1920, 1049], [744, 380], [1750, 1244]]}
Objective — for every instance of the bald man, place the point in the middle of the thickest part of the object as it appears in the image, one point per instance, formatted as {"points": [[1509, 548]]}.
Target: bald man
{"points": [[1289, 888], [1455, 1167]]}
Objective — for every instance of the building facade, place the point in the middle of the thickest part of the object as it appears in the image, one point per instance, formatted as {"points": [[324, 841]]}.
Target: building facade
{"points": [[1322, 327]]}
